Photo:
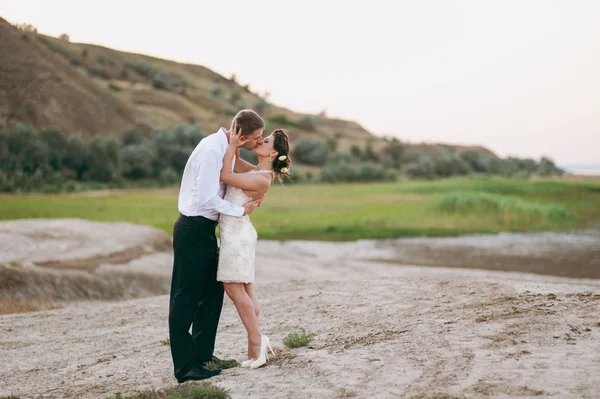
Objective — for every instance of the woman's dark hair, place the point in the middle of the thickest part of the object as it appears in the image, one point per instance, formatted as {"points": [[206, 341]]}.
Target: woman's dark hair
{"points": [[281, 144]]}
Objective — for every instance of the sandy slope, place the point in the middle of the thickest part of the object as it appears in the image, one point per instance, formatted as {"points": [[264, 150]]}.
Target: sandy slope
{"points": [[382, 330]]}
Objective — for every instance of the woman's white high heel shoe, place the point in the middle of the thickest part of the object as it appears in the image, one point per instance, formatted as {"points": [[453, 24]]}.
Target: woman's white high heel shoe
{"points": [[265, 343], [246, 363]]}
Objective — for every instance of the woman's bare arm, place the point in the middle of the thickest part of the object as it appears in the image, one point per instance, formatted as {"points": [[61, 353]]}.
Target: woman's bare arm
{"points": [[245, 181]]}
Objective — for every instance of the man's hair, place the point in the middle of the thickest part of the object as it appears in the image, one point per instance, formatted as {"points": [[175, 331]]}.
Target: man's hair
{"points": [[249, 121]]}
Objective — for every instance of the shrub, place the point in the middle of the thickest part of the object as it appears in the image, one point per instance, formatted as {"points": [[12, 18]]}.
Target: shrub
{"points": [[298, 339], [161, 81], [310, 152], [369, 154], [332, 143], [168, 176], [423, 168], [355, 151], [235, 97], [306, 123], [395, 152], [339, 156], [104, 158], [216, 91], [136, 161], [362, 172], [132, 135], [114, 86], [56, 144], [261, 106], [282, 120], [476, 161], [142, 69], [448, 164], [76, 156], [548, 168]]}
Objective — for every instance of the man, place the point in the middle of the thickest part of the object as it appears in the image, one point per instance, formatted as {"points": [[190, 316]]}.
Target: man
{"points": [[196, 296]]}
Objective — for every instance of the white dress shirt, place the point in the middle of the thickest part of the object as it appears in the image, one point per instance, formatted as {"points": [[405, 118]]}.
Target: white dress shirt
{"points": [[201, 192]]}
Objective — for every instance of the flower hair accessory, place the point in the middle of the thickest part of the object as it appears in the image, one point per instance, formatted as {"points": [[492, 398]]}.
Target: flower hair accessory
{"points": [[282, 158], [284, 170]]}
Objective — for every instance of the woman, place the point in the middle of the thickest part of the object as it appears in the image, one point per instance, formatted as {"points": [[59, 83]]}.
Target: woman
{"points": [[238, 236]]}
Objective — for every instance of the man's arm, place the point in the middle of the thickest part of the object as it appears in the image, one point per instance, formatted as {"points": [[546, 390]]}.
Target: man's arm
{"points": [[208, 184]]}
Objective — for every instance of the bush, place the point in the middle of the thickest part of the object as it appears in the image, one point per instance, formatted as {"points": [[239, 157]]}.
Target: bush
{"points": [[235, 97], [161, 81], [76, 156], [395, 152], [168, 176], [132, 135], [298, 339], [339, 156], [104, 158], [424, 168], [26, 151], [142, 69], [363, 172], [56, 144], [306, 123], [261, 106], [448, 164], [310, 152], [548, 168], [282, 120], [136, 161], [369, 154], [216, 91], [114, 87]]}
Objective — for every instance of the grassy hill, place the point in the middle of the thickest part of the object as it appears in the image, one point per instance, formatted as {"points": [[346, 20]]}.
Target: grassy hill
{"points": [[89, 89]]}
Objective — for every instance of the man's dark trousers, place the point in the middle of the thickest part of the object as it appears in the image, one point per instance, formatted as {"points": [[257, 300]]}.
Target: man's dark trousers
{"points": [[196, 295]]}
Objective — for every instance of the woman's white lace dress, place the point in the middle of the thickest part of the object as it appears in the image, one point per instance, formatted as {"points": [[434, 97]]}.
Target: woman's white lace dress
{"points": [[238, 243]]}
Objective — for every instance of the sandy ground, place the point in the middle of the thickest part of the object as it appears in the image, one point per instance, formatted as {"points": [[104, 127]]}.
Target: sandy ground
{"points": [[382, 330]]}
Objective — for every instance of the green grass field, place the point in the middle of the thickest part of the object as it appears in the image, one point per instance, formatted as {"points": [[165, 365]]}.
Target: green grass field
{"points": [[350, 212]]}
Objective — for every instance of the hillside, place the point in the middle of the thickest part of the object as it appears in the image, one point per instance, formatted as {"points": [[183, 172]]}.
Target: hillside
{"points": [[92, 89], [89, 89], [41, 89]]}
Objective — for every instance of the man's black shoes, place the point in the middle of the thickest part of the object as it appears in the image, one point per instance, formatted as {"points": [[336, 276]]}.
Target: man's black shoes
{"points": [[197, 373]]}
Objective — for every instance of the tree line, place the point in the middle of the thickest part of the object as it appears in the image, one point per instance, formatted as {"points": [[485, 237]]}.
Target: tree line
{"points": [[50, 161]]}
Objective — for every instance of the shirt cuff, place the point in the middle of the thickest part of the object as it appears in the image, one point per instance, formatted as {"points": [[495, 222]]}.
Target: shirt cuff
{"points": [[238, 210]]}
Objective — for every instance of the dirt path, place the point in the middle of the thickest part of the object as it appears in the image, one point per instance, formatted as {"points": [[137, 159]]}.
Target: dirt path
{"points": [[396, 337], [382, 330]]}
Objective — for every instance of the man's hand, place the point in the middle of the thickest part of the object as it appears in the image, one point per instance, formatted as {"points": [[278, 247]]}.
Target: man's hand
{"points": [[251, 206]]}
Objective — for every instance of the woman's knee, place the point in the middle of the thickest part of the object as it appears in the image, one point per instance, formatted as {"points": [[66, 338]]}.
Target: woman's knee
{"points": [[234, 290]]}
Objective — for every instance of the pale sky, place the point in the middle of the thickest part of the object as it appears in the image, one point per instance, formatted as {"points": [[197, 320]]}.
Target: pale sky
{"points": [[520, 77]]}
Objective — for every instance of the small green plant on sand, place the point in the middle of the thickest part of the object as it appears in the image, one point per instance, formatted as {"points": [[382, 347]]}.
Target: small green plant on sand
{"points": [[298, 339], [203, 390]]}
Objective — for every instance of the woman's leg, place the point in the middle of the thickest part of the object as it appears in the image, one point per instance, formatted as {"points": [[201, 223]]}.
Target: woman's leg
{"points": [[250, 291], [245, 307]]}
